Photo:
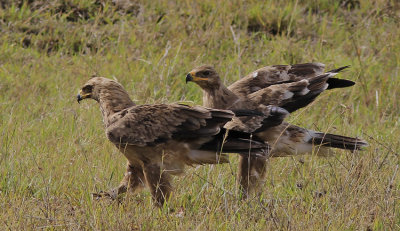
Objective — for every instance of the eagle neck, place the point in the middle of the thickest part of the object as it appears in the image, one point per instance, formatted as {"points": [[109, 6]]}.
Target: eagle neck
{"points": [[219, 97], [113, 102]]}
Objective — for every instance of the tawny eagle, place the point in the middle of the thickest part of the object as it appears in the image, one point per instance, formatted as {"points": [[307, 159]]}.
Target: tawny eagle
{"points": [[159, 140], [288, 86]]}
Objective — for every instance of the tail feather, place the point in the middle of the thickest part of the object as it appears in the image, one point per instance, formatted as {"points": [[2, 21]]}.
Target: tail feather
{"points": [[339, 83], [337, 141], [337, 70]]}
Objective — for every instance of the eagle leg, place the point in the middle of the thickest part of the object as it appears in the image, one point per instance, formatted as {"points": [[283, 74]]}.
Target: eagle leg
{"points": [[133, 179], [251, 170], [158, 182]]}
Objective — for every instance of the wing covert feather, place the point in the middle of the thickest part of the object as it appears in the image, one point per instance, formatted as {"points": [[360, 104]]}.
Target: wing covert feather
{"points": [[152, 124], [270, 75]]}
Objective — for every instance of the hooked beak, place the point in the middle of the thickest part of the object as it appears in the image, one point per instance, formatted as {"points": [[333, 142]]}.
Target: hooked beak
{"points": [[79, 98], [82, 96], [189, 78], [192, 77]]}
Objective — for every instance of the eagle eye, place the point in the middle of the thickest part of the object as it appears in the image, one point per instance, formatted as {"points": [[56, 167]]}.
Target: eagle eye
{"points": [[87, 88], [206, 73]]}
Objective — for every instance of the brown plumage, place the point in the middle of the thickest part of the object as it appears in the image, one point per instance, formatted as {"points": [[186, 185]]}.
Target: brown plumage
{"points": [[288, 86], [159, 140], [277, 74]]}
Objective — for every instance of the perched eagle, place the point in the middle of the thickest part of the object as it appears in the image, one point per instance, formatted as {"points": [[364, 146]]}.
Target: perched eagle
{"points": [[159, 140], [288, 86]]}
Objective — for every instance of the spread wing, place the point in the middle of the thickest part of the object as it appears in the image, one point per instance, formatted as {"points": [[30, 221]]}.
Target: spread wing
{"points": [[148, 125], [278, 74]]}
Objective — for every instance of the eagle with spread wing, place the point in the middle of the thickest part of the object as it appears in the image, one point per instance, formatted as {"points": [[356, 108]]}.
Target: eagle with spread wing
{"points": [[160, 140], [288, 86]]}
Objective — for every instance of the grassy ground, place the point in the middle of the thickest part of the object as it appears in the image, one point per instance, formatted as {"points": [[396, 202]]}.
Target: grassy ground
{"points": [[54, 154]]}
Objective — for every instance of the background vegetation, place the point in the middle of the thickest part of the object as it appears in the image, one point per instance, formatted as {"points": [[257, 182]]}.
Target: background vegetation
{"points": [[53, 152]]}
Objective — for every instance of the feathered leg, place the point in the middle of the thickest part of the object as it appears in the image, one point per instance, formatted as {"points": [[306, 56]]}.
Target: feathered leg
{"points": [[251, 170], [158, 182], [133, 179]]}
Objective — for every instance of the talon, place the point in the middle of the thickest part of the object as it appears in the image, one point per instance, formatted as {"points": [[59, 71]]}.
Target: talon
{"points": [[103, 194]]}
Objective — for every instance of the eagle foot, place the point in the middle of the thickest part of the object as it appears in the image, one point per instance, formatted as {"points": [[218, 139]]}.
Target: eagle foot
{"points": [[103, 194]]}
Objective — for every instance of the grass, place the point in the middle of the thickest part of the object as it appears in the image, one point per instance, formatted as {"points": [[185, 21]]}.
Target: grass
{"points": [[54, 154]]}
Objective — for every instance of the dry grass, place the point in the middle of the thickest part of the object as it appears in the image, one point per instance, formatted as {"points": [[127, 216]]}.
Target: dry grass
{"points": [[53, 152]]}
